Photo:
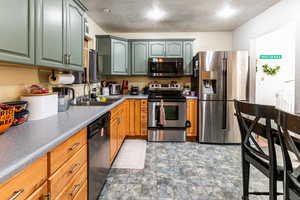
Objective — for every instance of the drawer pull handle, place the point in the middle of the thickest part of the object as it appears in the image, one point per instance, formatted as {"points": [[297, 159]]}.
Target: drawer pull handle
{"points": [[75, 168], [75, 190], [16, 194], [74, 146]]}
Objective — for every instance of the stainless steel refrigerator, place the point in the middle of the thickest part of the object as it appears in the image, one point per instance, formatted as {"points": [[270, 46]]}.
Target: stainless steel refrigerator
{"points": [[219, 77]]}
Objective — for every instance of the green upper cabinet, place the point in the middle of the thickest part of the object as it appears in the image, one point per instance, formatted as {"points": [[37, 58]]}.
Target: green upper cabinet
{"points": [[188, 57], [157, 48], [113, 55], [17, 31], [75, 35], [45, 33], [119, 54], [50, 36], [174, 49], [139, 58]]}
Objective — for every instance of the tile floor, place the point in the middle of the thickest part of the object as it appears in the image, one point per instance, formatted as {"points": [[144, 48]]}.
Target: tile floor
{"points": [[183, 171]]}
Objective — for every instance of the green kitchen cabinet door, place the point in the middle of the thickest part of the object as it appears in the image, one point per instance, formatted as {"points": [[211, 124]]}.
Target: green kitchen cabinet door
{"points": [[174, 49], [74, 36], [157, 48], [17, 31], [119, 57], [139, 58], [188, 57], [50, 26]]}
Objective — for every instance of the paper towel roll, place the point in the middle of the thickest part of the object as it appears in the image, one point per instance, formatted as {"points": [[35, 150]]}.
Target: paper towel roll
{"points": [[61, 79]]}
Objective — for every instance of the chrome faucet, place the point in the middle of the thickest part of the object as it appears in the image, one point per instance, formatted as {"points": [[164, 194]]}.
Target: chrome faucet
{"points": [[89, 90]]}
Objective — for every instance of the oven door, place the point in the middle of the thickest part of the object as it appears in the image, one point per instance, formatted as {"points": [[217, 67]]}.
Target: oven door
{"points": [[175, 113]]}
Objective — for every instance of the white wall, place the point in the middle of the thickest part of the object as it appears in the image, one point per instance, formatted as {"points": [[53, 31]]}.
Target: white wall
{"points": [[280, 14], [277, 90], [203, 40], [94, 30]]}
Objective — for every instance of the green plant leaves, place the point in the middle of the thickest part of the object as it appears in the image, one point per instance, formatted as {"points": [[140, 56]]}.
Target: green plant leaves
{"points": [[272, 71]]}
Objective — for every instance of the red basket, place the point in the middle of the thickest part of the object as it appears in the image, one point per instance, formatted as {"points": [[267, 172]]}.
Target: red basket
{"points": [[6, 117]]}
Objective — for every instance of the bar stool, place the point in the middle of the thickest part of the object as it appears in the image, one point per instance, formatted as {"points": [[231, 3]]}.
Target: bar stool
{"points": [[255, 120], [289, 128]]}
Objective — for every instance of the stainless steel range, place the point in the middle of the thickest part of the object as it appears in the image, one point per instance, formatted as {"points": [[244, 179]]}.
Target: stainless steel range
{"points": [[167, 113]]}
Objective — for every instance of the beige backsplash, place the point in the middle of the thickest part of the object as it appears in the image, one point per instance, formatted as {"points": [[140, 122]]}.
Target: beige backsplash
{"points": [[142, 81], [14, 80]]}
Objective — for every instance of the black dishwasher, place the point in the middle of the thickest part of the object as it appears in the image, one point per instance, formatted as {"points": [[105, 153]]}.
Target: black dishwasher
{"points": [[98, 151]]}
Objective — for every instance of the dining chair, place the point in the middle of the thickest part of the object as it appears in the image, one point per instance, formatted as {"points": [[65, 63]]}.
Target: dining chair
{"points": [[289, 128], [255, 120]]}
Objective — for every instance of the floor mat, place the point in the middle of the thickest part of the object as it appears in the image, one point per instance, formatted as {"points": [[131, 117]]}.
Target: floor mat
{"points": [[132, 155]]}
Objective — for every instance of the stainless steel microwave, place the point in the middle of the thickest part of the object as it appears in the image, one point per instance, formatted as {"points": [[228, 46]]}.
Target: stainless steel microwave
{"points": [[165, 67]]}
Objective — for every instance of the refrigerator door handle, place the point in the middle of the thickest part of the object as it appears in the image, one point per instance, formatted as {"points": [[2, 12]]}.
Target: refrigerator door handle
{"points": [[224, 115]]}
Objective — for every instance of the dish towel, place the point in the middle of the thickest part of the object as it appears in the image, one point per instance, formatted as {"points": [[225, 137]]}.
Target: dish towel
{"points": [[162, 115]]}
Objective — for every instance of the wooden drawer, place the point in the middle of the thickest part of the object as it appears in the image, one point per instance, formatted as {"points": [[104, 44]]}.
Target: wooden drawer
{"points": [[40, 194], [82, 194], [75, 185], [59, 155], [64, 174], [26, 181]]}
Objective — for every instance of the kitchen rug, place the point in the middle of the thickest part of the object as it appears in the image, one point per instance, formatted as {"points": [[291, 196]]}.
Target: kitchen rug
{"points": [[132, 155]]}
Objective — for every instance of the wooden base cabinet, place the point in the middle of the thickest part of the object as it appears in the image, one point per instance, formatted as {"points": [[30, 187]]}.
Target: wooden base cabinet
{"points": [[138, 117], [25, 182], [192, 116], [117, 129], [59, 175], [127, 119]]}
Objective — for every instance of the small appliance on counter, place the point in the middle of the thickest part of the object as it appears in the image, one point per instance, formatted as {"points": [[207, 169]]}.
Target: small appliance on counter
{"points": [[64, 97], [41, 106], [146, 90], [115, 89], [134, 90]]}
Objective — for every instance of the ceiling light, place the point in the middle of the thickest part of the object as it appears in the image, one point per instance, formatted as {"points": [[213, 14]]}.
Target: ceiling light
{"points": [[227, 12], [156, 14], [107, 10]]}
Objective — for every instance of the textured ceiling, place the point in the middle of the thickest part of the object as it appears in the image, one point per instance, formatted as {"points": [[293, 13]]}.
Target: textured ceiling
{"points": [[181, 15]]}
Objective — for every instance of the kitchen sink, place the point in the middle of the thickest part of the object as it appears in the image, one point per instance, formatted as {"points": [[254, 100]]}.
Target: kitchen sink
{"points": [[97, 103]]}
